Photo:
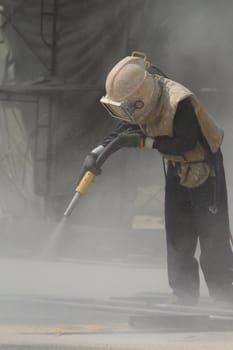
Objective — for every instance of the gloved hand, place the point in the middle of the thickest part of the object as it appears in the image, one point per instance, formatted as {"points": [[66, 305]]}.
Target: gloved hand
{"points": [[132, 139], [89, 164]]}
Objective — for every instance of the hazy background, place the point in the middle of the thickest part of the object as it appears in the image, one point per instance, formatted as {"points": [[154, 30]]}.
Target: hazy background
{"points": [[45, 139]]}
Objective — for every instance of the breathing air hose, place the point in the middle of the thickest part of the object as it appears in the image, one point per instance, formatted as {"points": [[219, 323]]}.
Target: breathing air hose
{"points": [[89, 177]]}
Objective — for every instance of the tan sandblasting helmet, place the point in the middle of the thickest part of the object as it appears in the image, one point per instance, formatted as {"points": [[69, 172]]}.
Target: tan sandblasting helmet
{"points": [[131, 91]]}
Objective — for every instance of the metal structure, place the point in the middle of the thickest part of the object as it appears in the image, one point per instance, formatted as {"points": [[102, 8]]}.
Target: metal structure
{"points": [[39, 96]]}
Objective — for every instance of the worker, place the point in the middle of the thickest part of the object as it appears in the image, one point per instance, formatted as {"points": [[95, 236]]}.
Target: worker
{"points": [[163, 115]]}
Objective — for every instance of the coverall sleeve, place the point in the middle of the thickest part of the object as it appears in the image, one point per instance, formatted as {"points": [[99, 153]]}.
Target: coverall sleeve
{"points": [[186, 131]]}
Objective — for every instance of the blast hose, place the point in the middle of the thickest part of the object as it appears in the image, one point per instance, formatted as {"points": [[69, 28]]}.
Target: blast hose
{"points": [[88, 177]]}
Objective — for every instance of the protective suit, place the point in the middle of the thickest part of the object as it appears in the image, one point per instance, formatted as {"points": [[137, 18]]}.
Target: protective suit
{"points": [[176, 124], [151, 102]]}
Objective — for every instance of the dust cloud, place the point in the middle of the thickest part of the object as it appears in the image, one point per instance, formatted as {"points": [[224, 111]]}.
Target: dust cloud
{"points": [[121, 219]]}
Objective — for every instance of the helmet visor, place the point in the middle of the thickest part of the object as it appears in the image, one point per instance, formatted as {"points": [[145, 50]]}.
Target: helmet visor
{"points": [[120, 110]]}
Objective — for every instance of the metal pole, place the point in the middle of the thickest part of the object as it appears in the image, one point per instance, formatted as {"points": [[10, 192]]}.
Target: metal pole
{"points": [[54, 39]]}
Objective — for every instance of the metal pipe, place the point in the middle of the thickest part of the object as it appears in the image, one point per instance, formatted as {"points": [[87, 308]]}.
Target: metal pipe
{"points": [[53, 67]]}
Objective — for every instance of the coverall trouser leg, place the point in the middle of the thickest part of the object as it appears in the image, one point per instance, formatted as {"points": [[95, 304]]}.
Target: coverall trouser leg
{"points": [[213, 228], [188, 217], [181, 234]]}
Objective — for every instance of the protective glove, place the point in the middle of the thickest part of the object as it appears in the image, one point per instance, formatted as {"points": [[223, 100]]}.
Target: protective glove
{"points": [[150, 142], [89, 164], [131, 139], [134, 138]]}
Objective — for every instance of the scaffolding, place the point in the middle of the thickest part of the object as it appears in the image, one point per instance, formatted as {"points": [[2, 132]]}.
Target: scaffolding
{"points": [[30, 151], [40, 95]]}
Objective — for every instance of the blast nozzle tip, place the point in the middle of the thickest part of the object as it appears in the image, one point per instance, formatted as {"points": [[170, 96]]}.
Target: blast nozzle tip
{"points": [[71, 205]]}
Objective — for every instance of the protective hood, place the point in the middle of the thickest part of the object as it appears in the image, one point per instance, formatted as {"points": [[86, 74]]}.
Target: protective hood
{"points": [[131, 91]]}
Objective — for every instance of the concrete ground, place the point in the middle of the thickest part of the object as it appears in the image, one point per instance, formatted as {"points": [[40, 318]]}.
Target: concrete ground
{"points": [[40, 304], [49, 283], [116, 342], [62, 279]]}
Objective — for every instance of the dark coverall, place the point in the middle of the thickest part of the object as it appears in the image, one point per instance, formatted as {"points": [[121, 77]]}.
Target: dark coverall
{"points": [[190, 214]]}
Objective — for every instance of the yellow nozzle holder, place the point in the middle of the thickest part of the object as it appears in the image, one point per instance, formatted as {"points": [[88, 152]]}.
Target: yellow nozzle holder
{"points": [[85, 183]]}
